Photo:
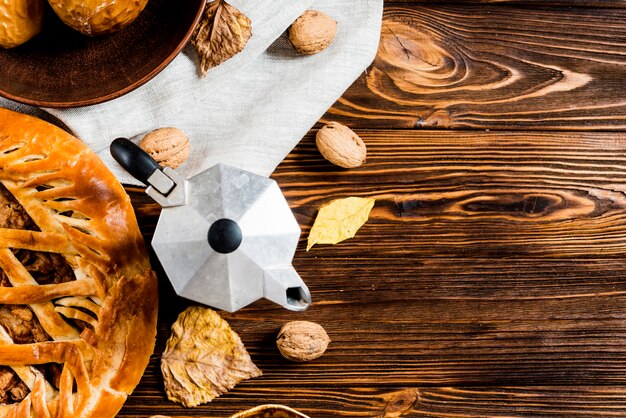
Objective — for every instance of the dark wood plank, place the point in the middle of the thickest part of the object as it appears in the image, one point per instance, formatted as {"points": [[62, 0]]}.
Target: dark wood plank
{"points": [[490, 279], [533, 3], [491, 259], [492, 66], [445, 402], [473, 194], [469, 194], [407, 324]]}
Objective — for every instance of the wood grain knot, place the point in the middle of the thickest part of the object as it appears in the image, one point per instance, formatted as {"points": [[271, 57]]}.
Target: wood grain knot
{"points": [[412, 61], [399, 403], [438, 119], [522, 205], [431, 59]]}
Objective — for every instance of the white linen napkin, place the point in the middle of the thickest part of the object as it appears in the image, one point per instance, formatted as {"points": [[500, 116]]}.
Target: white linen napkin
{"points": [[250, 111]]}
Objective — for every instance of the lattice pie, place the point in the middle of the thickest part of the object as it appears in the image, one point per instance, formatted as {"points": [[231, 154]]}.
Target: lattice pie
{"points": [[78, 300]]}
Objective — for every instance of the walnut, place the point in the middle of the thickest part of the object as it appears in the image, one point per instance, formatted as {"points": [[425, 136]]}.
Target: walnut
{"points": [[301, 341], [168, 146], [312, 32], [341, 146]]}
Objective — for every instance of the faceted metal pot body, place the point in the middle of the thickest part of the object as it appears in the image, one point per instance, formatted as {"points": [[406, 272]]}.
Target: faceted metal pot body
{"points": [[231, 241]]}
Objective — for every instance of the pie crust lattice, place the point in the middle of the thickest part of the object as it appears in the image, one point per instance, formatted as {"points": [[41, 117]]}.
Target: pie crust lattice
{"points": [[78, 299]]}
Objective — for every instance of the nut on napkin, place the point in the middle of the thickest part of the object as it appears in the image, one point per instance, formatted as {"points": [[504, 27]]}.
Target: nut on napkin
{"points": [[168, 146], [312, 32]]}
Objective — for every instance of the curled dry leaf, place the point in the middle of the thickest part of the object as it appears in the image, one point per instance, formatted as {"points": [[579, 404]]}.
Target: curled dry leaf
{"points": [[204, 358], [222, 33], [340, 220]]}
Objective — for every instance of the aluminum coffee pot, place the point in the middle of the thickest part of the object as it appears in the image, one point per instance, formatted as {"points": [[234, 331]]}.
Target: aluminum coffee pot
{"points": [[226, 237]]}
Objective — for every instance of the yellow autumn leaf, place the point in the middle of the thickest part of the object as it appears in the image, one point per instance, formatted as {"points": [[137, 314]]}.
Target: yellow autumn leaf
{"points": [[339, 220]]}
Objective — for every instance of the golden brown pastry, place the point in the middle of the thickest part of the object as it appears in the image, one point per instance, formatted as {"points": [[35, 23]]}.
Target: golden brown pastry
{"points": [[20, 20], [78, 300], [98, 17]]}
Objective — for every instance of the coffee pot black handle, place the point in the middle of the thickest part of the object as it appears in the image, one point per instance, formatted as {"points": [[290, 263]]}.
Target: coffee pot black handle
{"points": [[133, 159]]}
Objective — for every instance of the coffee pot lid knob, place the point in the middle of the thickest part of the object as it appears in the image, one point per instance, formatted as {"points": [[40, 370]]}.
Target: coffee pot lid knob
{"points": [[225, 236]]}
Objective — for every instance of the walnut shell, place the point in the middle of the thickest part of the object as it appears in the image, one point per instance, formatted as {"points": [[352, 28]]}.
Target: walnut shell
{"points": [[20, 20], [341, 146], [168, 146], [312, 32], [97, 17], [301, 341]]}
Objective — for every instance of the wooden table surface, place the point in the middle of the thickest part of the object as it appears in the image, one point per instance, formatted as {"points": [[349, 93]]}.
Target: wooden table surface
{"points": [[490, 279]]}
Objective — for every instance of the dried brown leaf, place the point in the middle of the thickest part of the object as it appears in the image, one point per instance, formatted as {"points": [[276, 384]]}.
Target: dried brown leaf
{"points": [[204, 358], [222, 33]]}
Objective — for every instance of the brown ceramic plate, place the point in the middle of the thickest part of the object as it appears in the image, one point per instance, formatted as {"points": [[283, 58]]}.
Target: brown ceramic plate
{"points": [[62, 68]]}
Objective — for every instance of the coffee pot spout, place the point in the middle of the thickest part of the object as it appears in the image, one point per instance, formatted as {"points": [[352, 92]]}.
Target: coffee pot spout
{"points": [[284, 286]]}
